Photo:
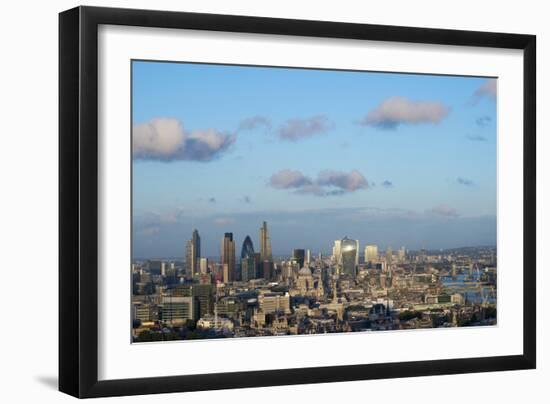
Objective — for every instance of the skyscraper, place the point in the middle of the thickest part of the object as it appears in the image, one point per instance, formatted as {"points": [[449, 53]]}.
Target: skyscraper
{"points": [[228, 258], [248, 260], [188, 259], [389, 257], [265, 243], [248, 248], [197, 250], [401, 253], [337, 252], [371, 253], [203, 264], [192, 254], [350, 256], [299, 256]]}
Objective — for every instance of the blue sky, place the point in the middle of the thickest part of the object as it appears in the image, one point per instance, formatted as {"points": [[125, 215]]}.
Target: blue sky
{"points": [[392, 159]]}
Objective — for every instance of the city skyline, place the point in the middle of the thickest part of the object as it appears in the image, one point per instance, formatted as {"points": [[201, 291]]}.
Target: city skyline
{"points": [[248, 241], [405, 160], [325, 249], [300, 293]]}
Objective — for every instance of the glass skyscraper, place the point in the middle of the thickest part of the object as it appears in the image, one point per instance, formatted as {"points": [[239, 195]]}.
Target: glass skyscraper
{"points": [[299, 256], [248, 260], [192, 254], [350, 256], [228, 258], [265, 243]]}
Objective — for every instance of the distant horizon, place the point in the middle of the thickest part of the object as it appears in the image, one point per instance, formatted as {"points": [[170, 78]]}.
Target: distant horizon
{"points": [[399, 159], [327, 252]]}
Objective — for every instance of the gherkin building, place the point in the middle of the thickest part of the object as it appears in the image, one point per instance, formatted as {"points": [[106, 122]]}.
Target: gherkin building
{"points": [[248, 248], [248, 260]]}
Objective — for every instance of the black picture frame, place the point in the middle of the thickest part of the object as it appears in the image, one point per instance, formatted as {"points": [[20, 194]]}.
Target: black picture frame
{"points": [[78, 201]]}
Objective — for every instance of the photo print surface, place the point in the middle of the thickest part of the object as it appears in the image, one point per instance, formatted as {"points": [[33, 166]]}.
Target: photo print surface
{"points": [[271, 201]]}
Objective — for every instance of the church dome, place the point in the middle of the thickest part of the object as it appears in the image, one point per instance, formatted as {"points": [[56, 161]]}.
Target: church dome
{"points": [[305, 272]]}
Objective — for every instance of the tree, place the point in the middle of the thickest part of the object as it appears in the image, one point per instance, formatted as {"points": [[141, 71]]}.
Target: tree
{"points": [[409, 315]]}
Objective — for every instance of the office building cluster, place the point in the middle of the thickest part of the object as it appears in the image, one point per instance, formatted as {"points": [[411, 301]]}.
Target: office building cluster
{"points": [[257, 293]]}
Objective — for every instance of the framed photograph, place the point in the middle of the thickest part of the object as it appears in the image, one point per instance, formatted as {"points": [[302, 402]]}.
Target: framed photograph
{"points": [[249, 201]]}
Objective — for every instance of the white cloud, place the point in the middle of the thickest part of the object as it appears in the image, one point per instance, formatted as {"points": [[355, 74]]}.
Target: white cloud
{"points": [[394, 111], [349, 182], [328, 182], [313, 189], [487, 89], [206, 145], [165, 139], [286, 179], [300, 128], [158, 138]]}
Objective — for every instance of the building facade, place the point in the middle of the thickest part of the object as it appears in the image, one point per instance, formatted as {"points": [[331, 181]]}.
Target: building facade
{"points": [[349, 256], [371, 254], [228, 258], [192, 254], [299, 256], [248, 261], [265, 243]]}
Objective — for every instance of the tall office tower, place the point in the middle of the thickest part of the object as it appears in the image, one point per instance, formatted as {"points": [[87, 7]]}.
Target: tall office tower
{"points": [[224, 276], [189, 259], [337, 252], [265, 243], [248, 248], [299, 256], [401, 255], [248, 260], [203, 263], [389, 257], [228, 258], [192, 254], [197, 250], [371, 253], [308, 257], [350, 256]]}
